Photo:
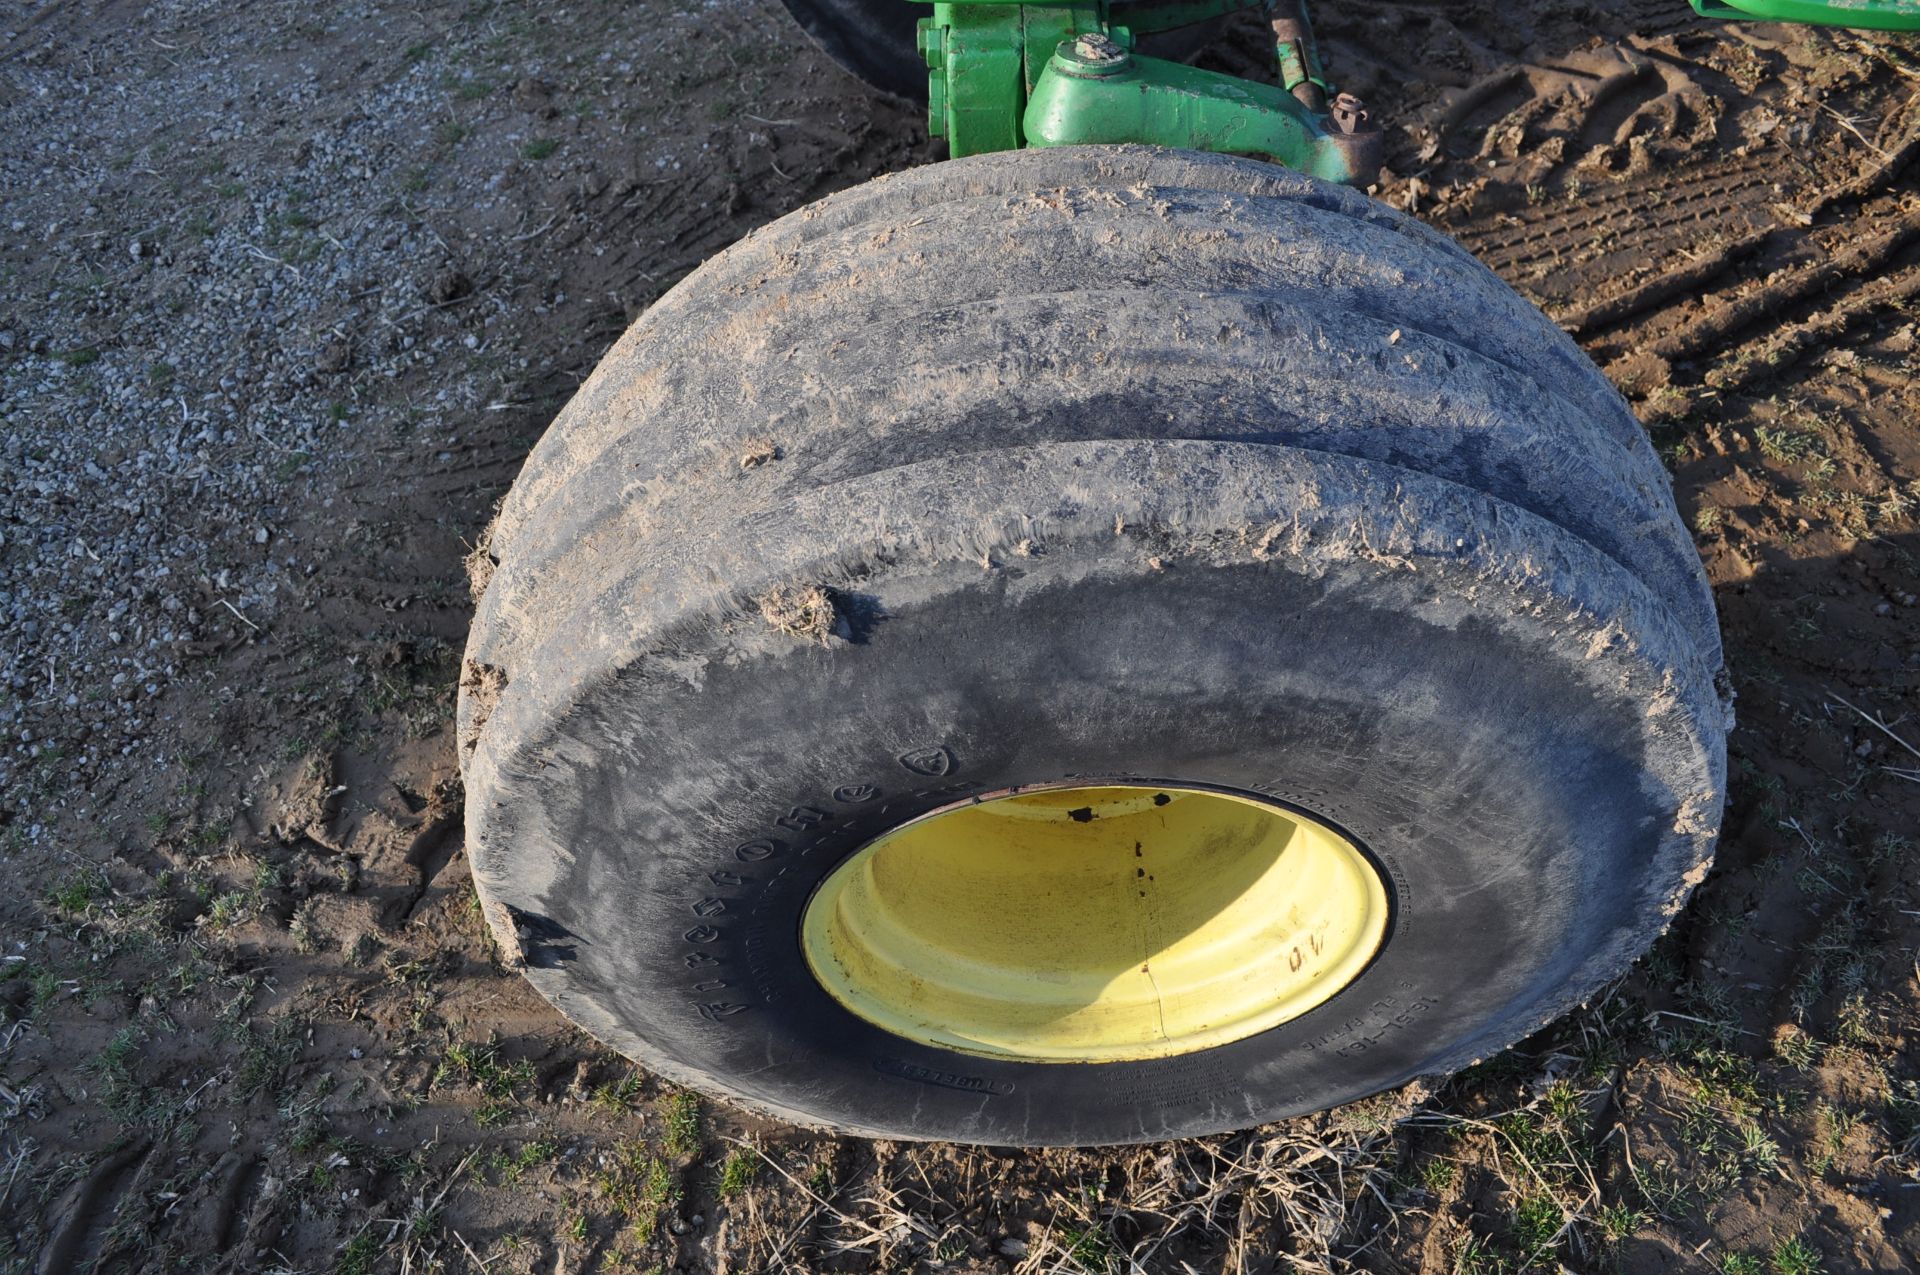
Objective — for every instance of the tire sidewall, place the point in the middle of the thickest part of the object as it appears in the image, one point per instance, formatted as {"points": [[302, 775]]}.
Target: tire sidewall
{"points": [[1475, 772]]}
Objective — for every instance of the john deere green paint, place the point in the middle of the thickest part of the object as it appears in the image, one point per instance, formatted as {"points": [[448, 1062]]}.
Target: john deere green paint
{"points": [[1863, 15], [1006, 75]]}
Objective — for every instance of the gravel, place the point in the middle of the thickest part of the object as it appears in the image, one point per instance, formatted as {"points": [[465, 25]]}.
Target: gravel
{"points": [[225, 296]]}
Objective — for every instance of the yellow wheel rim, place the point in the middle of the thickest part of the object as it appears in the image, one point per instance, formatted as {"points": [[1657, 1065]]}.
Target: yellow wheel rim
{"points": [[1095, 924]]}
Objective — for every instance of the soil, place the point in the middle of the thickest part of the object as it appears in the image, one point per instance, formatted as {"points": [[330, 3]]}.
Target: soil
{"points": [[290, 293]]}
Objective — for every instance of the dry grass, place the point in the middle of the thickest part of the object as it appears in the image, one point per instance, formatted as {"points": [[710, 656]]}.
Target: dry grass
{"points": [[801, 611]]}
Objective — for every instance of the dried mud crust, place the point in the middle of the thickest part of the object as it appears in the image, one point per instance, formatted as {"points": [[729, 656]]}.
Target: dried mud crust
{"points": [[1119, 275], [1109, 375]]}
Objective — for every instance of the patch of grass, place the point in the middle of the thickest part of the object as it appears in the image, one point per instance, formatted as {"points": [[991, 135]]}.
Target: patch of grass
{"points": [[1620, 1220], [358, 1257], [1664, 1189], [265, 1056], [119, 1088], [737, 1174], [112, 1067], [1794, 1257], [680, 1113], [539, 148], [1797, 1049], [229, 909], [508, 1167], [1477, 1257], [45, 986], [84, 356], [1787, 446], [80, 890], [1741, 1264], [211, 836], [1537, 1220], [1090, 1249], [618, 1096], [498, 1080], [637, 1184]]}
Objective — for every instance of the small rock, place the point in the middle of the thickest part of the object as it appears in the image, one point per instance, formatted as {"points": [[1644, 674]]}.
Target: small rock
{"points": [[335, 355], [535, 97], [449, 286], [1011, 1247]]}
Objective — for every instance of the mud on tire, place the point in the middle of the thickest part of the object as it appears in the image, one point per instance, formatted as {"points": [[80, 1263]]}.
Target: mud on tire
{"points": [[1058, 466]]}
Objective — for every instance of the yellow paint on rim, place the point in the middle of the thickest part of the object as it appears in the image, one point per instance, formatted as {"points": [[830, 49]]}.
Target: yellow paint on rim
{"points": [[1095, 924]]}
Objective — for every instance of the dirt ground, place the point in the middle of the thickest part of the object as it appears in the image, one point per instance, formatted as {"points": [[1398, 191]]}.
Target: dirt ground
{"points": [[289, 292]]}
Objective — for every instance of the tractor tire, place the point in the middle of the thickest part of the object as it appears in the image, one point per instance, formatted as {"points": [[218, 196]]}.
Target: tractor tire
{"points": [[871, 40], [1118, 471]]}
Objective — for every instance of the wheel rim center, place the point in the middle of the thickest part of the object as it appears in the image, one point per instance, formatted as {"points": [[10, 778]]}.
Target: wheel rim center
{"points": [[1096, 923]]}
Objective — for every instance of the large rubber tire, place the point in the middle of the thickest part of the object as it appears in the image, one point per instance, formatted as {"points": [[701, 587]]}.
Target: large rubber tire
{"points": [[873, 40], [1117, 463]]}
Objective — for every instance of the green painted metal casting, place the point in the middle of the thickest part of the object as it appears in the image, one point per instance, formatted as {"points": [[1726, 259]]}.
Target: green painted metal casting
{"points": [[1864, 15], [1095, 92], [1005, 74]]}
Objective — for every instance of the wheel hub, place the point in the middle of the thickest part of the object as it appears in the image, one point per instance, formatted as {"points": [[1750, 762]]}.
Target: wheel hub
{"points": [[1096, 924]]}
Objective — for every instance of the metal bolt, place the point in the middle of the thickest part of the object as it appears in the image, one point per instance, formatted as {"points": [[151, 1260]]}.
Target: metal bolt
{"points": [[1094, 53], [1350, 114]]}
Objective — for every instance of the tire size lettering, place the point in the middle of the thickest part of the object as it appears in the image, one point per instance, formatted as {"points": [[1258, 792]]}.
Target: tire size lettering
{"points": [[801, 818], [1401, 1021]]}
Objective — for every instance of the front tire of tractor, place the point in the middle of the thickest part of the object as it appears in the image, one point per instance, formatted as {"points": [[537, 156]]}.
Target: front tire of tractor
{"points": [[1087, 646]]}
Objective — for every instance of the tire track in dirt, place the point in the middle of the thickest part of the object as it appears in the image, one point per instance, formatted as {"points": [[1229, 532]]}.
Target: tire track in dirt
{"points": [[1656, 268], [79, 1222]]}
